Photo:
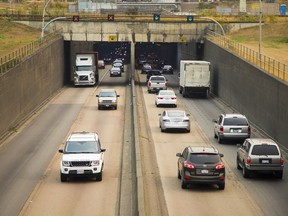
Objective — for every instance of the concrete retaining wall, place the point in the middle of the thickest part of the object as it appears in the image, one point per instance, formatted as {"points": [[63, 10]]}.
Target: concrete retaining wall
{"points": [[261, 97], [25, 87]]}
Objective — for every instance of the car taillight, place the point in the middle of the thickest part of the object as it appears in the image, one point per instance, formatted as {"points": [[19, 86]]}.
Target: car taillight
{"points": [[188, 165], [149, 83], [166, 84], [221, 129], [173, 98], [160, 98], [281, 161], [248, 161], [220, 166], [249, 130]]}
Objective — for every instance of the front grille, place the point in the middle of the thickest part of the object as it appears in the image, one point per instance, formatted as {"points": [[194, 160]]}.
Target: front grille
{"points": [[83, 78], [107, 101], [80, 163]]}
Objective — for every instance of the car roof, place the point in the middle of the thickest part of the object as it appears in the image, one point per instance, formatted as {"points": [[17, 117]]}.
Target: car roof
{"points": [[261, 141], [107, 90], [203, 149], [234, 115], [83, 136]]}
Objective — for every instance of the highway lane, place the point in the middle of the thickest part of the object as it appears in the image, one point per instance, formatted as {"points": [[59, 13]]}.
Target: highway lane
{"points": [[259, 195]]}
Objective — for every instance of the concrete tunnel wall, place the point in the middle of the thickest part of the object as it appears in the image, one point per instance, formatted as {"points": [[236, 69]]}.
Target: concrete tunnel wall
{"points": [[26, 86], [258, 95]]}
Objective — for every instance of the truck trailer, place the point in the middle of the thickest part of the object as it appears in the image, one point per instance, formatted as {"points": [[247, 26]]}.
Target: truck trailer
{"points": [[86, 69], [194, 78]]}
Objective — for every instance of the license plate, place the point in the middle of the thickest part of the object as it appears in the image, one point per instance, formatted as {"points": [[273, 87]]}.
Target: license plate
{"points": [[204, 171], [80, 171], [235, 130], [265, 161]]}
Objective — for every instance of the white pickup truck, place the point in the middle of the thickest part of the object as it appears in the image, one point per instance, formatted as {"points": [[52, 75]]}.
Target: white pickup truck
{"points": [[156, 83]]}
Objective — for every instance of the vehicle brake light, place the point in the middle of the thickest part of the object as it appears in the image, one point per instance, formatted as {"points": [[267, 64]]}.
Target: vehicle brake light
{"points": [[281, 161], [160, 98], [149, 83], [248, 161], [221, 129], [220, 166], [173, 98], [166, 84], [249, 130], [188, 165]]}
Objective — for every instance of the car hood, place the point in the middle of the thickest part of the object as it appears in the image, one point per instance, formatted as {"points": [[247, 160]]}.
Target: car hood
{"points": [[81, 157]]}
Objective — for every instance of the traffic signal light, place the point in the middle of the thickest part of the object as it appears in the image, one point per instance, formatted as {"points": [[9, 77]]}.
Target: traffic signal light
{"points": [[190, 18], [76, 18], [110, 17], [156, 17]]}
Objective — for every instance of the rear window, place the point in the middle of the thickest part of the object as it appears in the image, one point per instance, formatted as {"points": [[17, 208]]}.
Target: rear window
{"points": [[204, 158], [160, 79], [265, 150], [235, 121]]}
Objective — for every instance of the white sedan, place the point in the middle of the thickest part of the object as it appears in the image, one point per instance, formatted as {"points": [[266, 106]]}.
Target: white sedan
{"points": [[174, 119], [166, 97]]}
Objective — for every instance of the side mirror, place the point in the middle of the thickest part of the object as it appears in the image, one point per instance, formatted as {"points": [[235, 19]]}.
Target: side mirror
{"points": [[239, 145], [179, 155], [118, 95], [60, 150], [103, 150], [97, 95], [213, 120], [221, 155]]}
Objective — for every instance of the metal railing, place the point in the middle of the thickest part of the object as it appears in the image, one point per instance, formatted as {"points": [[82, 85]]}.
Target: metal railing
{"points": [[14, 58], [265, 63]]}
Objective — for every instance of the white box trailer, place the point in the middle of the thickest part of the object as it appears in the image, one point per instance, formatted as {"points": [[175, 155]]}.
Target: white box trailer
{"points": [[194, 78]]}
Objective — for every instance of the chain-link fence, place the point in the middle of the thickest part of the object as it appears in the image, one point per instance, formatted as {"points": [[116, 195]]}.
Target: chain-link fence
{"points": [[12, 59], [265, 63]]}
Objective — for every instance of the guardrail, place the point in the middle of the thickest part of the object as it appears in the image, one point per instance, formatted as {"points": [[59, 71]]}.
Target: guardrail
{"points": [[265, 63], [12, 59]]}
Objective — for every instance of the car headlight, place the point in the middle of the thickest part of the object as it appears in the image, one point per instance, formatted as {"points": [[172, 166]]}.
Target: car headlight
{"points": [[95, 163], [66, 163]]}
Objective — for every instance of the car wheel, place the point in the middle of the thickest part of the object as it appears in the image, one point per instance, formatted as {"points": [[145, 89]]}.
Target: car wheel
{"points": [[99, 108], [237, 164], [183, 183], [221, 186], [215, 136], [115, 107], [175, 105], [279, 174], [63, 177], [188, 131], [179, 175], [245, 172], [162, 130], [219, 139], [99, 176]]}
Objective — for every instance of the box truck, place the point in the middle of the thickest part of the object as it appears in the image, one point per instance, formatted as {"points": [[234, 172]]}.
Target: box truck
{"points": [[86, 69], [194, 78]]}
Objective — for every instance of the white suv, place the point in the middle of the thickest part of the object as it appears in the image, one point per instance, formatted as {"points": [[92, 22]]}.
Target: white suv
{"points": [[82, 156]]}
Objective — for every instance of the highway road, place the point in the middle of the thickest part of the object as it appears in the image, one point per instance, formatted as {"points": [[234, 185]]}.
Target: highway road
{"points": [[29, 161]]}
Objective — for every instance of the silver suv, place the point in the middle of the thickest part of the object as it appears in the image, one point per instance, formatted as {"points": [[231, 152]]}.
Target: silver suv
{"points": [[231, 127], [107, 98], [259, 155], [82, 156], [156, 83]]}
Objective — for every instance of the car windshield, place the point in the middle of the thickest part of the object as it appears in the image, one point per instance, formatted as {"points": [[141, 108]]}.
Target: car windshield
{"points": [[107, 94], [204, 158], [157, 79], [175, 114], [235, 121], [166, 93], [81, 147], [265, 150]]}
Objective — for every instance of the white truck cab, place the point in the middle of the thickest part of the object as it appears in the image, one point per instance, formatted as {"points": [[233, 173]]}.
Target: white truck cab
{"points": [[82, 156], [85, 69]]}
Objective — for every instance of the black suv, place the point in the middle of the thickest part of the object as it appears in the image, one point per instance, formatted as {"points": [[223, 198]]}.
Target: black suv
{"points": [[153, 72], [201, 165]]}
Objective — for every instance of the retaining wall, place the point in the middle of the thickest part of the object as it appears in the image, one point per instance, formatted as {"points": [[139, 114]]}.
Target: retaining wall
{"points": [[29, 84], [261, 97]]}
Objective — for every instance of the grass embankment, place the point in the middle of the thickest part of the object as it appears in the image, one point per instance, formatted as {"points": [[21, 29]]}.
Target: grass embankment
{"points": [[14, 36]]}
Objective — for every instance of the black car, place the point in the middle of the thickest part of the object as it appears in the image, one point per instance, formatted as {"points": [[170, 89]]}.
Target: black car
{"points": [[201, 165], [153, 72]]}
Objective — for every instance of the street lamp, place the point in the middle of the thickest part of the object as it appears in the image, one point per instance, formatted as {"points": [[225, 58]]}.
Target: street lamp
{"points": [[43, 14], [260, 28]]}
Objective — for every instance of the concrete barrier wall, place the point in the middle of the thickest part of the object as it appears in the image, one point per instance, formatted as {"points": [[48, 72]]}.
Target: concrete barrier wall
{"points": [[261, 97], [25, 87]]}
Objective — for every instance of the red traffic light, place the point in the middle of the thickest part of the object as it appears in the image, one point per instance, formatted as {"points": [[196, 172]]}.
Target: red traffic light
{"points": [[76, 18], [110, 17]]}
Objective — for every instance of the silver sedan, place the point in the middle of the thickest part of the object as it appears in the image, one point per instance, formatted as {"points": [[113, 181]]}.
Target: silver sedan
{"points": [[174, 119], [166, 97]]}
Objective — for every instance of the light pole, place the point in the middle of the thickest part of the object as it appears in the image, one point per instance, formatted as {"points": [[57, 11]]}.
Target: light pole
{"points": [[223, 32], [43, 14], [260, 28]]}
